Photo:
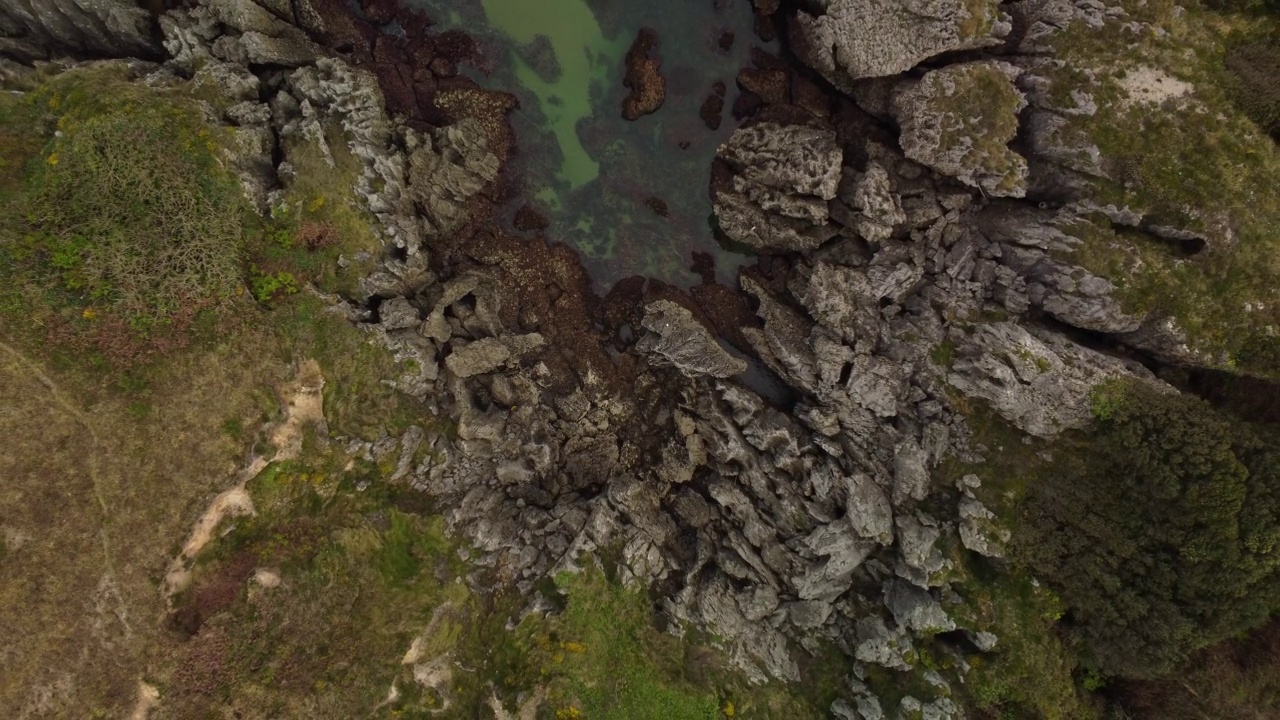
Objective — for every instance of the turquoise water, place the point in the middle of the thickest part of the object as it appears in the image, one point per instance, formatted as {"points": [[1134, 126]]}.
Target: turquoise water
{"points": [[600, 179], [586, 59]]}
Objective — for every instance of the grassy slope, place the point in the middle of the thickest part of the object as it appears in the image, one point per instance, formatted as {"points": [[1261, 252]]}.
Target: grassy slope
{"points": [[107, 466], [1197, 162]]}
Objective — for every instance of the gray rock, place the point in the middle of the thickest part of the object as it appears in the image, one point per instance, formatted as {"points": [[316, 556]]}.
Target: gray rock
{"points": [[984, 641], [33, 30], [876, 383], [843, 551], [397, 314], [1039, 382], [795, 159], [959, 121], [910, 476], [915, 609], [879, 645], [231, 81], [809, 614], [685, 343], [869, 707], [783, 345], [841, 299], [857, 39], [920, 560], [937, 709], [980, 530], [876, 209], [868, 509], [841, 710], [488, 354], [247, 16], [260, 49], [786, 174]]}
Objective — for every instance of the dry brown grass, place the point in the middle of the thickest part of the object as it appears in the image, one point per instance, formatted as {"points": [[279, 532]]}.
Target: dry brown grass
{"points": [[96, 489], [1238, 680]]}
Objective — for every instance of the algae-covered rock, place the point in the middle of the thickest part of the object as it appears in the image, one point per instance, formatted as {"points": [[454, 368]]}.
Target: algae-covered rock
{"points": [[959, 121], [643, 77], [857, 39]]}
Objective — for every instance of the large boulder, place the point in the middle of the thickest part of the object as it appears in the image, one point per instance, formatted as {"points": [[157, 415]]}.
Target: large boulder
{"points": [[959, 121], [857, 39], [784, 177], [676, 338]]}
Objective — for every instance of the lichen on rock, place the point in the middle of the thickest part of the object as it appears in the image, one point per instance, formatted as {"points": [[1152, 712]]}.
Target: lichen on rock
{"points": [[959, 120], [857, 39]]}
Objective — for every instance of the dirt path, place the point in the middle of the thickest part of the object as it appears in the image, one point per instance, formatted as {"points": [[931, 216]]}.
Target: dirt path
{"points": [[148, 698], [303, 399]]}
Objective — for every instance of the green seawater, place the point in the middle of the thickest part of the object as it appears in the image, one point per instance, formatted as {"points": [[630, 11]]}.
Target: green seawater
{"points": [[597, 177], [586, 59]]}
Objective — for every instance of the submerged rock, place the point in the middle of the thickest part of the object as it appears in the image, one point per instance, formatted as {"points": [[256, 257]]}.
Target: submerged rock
{"points": [[643, 77]]}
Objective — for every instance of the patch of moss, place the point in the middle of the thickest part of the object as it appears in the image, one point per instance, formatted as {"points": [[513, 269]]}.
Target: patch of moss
{"points": [[319, 220], [1030, 673], [976, 106]]}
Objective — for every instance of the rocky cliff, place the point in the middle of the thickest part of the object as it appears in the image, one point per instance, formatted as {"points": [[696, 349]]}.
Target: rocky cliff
{"points": [[923, 232]]}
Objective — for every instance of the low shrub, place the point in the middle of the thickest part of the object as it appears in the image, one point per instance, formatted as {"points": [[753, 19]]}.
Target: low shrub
{"points": [[125, 226]]}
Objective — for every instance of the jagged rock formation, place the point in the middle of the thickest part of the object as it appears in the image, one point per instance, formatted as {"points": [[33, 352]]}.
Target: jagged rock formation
{"points": [[856, 39], [44, 29], [685, 343], [959, 121], [775, 529], [785, 174]]}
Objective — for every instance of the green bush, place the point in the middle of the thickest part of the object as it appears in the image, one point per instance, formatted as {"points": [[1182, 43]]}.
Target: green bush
{"points": [[1161, 535], [133, 209], [1253, 67], [121, 231]]}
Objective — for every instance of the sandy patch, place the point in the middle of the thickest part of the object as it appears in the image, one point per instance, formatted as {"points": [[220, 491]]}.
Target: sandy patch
{"points": [[1146, 85], [148, 698], [266, 578], [303, 399]]}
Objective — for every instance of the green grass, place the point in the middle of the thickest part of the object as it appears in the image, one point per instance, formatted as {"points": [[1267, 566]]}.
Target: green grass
{"points": [[980, 115], [1197, 162], [614, 663], [123, 225], [1031, 672]]}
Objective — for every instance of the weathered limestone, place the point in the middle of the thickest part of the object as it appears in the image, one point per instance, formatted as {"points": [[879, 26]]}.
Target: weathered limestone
{"points": [[959, 121], [785, 176], [856, 39]]}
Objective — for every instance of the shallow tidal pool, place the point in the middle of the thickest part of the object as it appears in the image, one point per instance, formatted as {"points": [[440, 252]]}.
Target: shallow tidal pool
{"points": [[631, 196]]}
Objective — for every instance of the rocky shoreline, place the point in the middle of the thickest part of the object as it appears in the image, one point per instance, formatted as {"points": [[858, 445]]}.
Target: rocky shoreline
{"points": [[892, 217]]}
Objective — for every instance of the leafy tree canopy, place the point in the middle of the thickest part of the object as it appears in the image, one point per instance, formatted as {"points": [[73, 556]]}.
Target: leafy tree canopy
{"points": [[1162, 534]]}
